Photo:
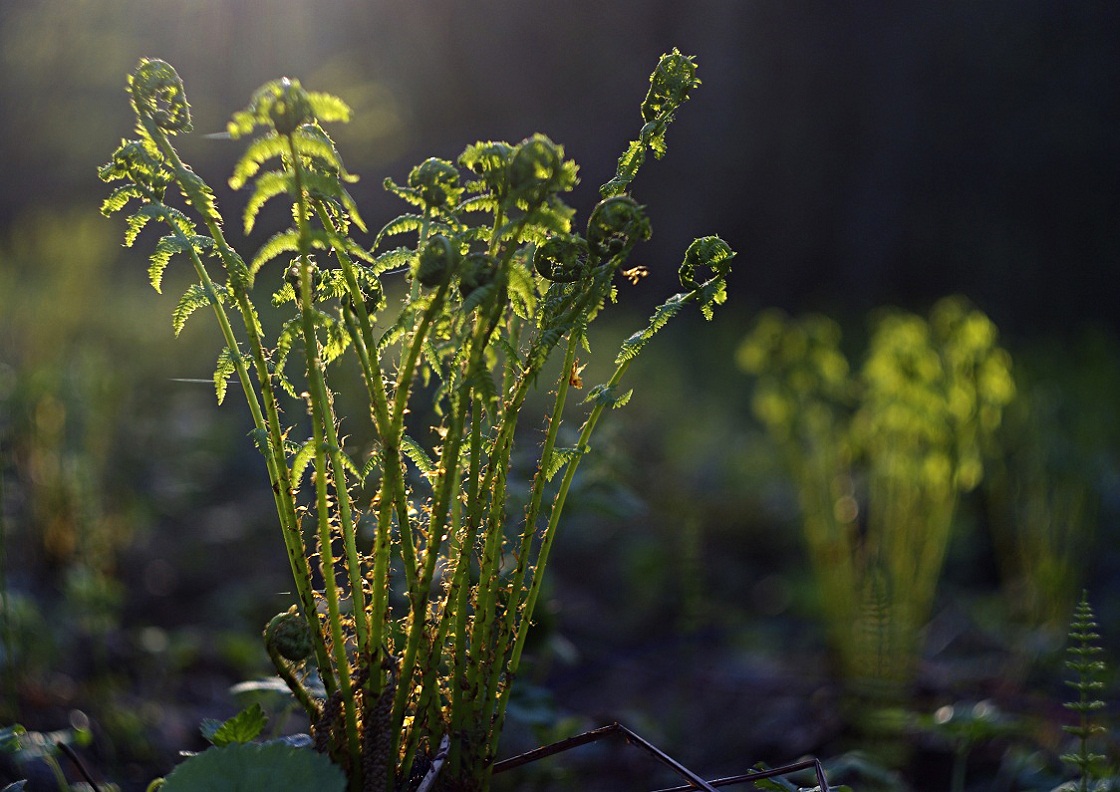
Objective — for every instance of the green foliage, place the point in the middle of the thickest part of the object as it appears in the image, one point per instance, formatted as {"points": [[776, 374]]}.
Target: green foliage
{"points": [[879, 459], [415, 594], [1057, 444], [1087, 667], [244, 727], [272, 766]]}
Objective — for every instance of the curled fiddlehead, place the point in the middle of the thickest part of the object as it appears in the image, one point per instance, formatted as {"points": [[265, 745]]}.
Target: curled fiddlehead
{"points": [[436, 183], [437, 260], [561, 258], [158, 96], [616, 225]]}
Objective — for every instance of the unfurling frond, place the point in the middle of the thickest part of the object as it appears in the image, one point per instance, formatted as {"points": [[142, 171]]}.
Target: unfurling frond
{"points": [[713, 254], [158, 96], [670, 84]]}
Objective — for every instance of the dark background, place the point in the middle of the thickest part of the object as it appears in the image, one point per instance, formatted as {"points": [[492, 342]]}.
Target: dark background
{"points": [[855, 153]]}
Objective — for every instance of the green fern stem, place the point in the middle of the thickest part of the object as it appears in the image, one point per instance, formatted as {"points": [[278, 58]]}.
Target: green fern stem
{"points": [[268, 420], [327, 445]]}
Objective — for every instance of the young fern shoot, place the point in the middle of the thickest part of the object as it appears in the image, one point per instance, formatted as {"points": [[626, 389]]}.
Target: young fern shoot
{"points": [[415, 584]]}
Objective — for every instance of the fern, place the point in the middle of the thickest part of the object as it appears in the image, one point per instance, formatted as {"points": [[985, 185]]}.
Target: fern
{"points": [[496, 279], [196, 296], [1084, 660]]}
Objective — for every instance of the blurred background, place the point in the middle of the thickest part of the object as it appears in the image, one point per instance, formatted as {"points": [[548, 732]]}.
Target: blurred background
{"points": [[857, 155]]}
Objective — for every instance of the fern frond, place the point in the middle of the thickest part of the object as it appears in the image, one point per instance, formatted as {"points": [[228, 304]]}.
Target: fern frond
{"points": [[327, 185], [286, 241], [289, 332], [663, 313], [478, 203], [337, 338], [169, 246], [419, 457], [399, 225], [260, 151], [328, 107], [267, 186], [227, 365], [120, 196], [193, 298], [174, 218], [560, 459], [608, 397], [301, 460], [522, 289], [395, 259], [197, 193], [313, 143]]}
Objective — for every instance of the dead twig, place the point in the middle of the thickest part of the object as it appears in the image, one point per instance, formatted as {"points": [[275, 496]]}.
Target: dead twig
{"points": [[695, 781]]}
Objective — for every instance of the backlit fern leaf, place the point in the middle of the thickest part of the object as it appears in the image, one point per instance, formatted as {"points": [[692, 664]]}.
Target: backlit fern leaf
{"points": [[286, 241], [227, 365], [267, 186], [195, 297], [664, 312], [169, 246], [314, 144], [559, 459], [395, 259], [399, 225], [301, 460], [120, 196], [419, 457], [327, 185], [608, 396], [522, 289], [260, 151], [328, 107]]}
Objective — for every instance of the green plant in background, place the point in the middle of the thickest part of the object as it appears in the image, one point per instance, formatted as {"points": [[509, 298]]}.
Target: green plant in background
{"points": [[1044, 489], [879, 459], [415, 587], [1084, 660]]}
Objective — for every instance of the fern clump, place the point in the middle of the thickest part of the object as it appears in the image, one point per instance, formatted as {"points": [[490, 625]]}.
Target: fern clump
{"points": [[416, 583]]}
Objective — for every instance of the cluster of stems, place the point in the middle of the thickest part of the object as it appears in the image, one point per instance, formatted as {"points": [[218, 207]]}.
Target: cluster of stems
{"points": [[415, 584]]}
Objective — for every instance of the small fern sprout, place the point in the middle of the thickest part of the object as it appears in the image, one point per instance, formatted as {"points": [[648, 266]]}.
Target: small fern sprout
{"points": [[1084, 660], [561, 258], [490, 162], [478, 271], [538, 170], [158, 96], [289, 635], [437, 260], [714, 255], [436, 183]]}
